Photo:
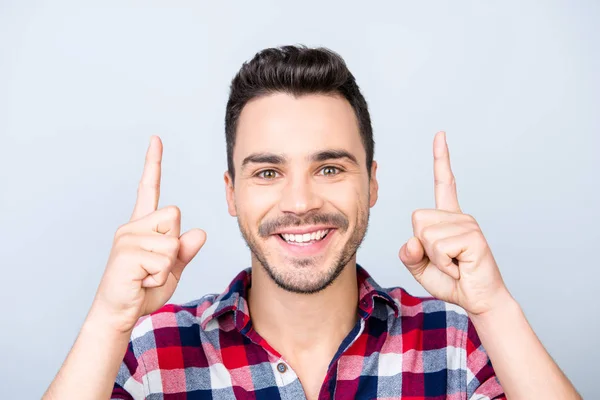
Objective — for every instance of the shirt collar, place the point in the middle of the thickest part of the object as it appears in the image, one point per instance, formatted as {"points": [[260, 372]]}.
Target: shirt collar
{"points": [[369, 291], [234, 299]]}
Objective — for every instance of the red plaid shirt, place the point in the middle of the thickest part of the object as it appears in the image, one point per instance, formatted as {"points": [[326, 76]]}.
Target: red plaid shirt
{"points": [[402, 347]]}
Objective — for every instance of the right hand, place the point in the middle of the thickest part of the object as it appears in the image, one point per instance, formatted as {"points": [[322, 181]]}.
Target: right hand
{"points": [[148, 254]]}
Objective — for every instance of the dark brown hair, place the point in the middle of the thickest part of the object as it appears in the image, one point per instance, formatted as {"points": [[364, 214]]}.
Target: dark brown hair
{"points": [[296, 70]]}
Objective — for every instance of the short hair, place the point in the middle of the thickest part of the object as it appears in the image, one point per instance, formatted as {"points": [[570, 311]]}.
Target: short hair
{"points": [[296, 70]]}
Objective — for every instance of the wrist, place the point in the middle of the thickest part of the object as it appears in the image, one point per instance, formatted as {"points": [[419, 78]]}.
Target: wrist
{"points": [[503, 305], [100, 322]]}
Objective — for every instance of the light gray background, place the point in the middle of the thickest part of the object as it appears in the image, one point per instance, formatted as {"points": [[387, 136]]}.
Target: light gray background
{"points": [[82, 88]]}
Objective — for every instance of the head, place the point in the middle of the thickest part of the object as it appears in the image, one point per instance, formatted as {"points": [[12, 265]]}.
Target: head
{"points": [[301, 176]]}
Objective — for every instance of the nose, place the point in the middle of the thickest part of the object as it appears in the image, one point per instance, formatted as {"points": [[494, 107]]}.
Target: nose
{"points": [[299, 195]]}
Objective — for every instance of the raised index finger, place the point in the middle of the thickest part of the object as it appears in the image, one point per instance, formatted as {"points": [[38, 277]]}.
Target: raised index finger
{"points": [[445, 185], [149, 187]]}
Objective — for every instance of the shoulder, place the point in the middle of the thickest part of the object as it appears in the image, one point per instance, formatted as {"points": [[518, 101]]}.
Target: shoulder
{"points": [[427, 313], [423, 312], [156, 341], [410, 304], [173, 316]]}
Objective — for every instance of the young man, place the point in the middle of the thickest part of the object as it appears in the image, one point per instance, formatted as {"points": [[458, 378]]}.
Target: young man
{"points": [[305, 321]]}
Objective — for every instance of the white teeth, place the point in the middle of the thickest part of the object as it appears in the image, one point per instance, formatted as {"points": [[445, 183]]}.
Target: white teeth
{"points": [[321, 233], [306, 237]]}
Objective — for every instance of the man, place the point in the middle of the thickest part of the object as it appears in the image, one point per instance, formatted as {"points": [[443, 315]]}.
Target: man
{"points": [[305, 321]]}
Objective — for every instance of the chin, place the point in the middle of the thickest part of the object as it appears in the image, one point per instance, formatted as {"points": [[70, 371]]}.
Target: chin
{"points": [[305, 267], [304, 275]]}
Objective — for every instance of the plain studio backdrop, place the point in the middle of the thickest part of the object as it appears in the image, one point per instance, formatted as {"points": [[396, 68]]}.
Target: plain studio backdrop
{"points": [[84, 85]]}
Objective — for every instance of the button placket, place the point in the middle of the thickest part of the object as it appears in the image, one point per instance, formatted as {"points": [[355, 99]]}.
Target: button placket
{"points": [[284, 374], [281, 367]]}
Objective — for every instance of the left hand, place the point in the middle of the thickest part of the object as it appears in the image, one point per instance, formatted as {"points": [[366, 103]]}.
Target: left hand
{"points": [[472, 280]]}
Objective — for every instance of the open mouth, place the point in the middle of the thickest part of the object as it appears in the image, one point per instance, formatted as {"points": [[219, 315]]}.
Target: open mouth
{"points": [[306, 244], [306, 238]]}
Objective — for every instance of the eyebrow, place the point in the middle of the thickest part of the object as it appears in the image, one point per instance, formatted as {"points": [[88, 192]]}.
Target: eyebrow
{"points": [[333, 155], [325, 155], [263, 158]]}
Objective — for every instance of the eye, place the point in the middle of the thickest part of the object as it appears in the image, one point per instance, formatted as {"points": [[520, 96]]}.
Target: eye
{"points": [[330, 170], [267, 174]]}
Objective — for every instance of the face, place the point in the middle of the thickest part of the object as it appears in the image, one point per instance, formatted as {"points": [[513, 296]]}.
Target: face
{"points": [[302, 193]]}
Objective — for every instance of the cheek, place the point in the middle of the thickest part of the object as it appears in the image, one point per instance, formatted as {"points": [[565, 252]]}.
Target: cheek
{"points": [[345, 196], [255, 202]]}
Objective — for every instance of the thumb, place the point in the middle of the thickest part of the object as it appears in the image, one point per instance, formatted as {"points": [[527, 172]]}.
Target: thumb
{"points": [[190, 244], [412, 254]]}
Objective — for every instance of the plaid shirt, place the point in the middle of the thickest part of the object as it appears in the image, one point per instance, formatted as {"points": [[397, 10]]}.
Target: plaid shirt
{"points": [[402, 347]]}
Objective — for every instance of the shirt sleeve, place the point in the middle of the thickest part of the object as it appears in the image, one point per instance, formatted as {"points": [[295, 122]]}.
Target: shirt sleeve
{"points": [[128, 384], [482, 383]]}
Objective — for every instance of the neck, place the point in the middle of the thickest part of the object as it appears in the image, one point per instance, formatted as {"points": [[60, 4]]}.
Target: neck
{"points": [[295, 324]]}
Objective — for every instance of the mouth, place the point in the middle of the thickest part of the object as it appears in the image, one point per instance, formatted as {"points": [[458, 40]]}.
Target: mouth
{"points": [[306, 244], [305, 239]]}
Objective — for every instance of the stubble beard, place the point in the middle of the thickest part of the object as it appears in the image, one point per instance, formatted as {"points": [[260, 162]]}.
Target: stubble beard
{"points": [[302, 278]]}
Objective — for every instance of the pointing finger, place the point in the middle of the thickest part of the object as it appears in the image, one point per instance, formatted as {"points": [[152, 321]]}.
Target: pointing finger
{"points": [[149, 187], [445, 185]]}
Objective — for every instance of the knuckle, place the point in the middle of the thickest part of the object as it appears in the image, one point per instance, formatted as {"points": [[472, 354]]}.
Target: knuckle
{"points": [[144, 185], [446, 181], [437, 246], [479, 239], [122, 239], [173, 243], [121, 231], [417, 216], [173, 211], [427, 234], [471, 219]]}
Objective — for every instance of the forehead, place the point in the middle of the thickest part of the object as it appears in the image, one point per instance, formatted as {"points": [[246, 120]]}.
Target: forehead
{"points": [[297, 126]]}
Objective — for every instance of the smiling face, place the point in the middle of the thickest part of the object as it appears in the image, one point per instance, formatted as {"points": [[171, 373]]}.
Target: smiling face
{"points": [[302, 192]]}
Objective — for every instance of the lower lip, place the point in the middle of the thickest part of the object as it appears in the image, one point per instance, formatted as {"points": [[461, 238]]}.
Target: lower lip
{"points": [[305, 250]]}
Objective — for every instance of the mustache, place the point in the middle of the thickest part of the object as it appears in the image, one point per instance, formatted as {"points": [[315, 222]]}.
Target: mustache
{"points": [[267, 228]]}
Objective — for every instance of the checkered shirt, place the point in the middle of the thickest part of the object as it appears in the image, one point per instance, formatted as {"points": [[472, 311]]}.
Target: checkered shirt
{"points": [[401, 347]]}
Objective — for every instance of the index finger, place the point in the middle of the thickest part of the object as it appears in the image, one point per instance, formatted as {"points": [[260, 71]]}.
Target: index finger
{"points": [[446, 197], [149, 187]]}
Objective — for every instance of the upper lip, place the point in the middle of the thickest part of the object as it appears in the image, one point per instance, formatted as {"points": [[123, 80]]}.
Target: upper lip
{"points": [[299, 230]]}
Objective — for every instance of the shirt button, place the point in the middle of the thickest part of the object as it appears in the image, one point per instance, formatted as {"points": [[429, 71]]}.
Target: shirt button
{"points": [[281, 367]]}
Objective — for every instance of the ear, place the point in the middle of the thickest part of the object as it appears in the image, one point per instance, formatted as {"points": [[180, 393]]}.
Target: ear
{"points": [[373, 185], [230, 194]]}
